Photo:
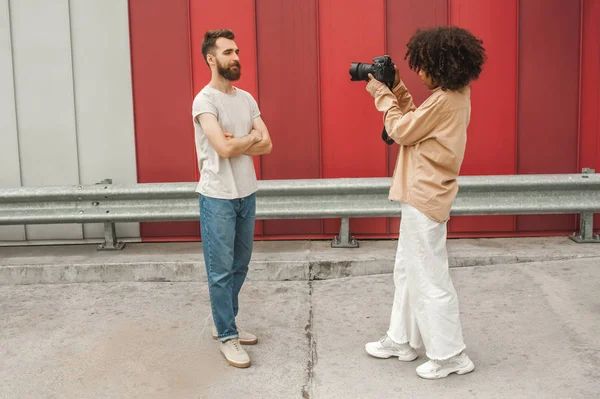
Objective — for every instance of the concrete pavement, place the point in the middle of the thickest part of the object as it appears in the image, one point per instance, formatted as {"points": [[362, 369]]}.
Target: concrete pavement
{"points": [[531, 329]]}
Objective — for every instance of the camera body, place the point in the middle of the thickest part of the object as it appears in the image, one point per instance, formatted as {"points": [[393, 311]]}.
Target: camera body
{"points": [[382, 69]]}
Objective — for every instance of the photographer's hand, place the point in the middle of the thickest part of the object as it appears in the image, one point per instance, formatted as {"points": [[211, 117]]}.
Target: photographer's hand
{"points": [[375, 87]]}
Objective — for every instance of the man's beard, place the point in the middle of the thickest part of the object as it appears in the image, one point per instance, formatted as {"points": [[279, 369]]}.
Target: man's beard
{"points": [[229, 72]]}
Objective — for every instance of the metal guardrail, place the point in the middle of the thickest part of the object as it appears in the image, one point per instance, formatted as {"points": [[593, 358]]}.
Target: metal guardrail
{"points": [[301, 199]]}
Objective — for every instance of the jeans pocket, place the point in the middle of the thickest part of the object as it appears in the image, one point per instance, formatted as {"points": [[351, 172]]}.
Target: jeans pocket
{"points": [[217, 207]]}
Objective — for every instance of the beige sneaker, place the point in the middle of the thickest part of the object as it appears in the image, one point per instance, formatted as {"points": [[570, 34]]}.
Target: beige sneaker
{"points": [[245, 337], [234, 353]]}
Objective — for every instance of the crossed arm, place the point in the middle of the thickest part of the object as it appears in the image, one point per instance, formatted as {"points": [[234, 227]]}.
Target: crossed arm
{"points": [[257, 142], [264, 146]]}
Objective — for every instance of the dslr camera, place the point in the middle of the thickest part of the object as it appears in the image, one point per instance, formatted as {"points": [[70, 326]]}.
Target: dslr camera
{"points": [[383, 70]]}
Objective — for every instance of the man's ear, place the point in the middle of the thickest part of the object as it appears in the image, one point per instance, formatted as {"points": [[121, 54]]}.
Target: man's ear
{"points": [[210, 59]]}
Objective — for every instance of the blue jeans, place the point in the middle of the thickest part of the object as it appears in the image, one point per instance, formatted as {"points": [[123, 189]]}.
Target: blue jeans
{"points": [[227, 228]]}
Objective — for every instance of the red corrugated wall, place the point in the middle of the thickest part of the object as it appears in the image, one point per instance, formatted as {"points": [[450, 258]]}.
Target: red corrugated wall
{"points": [[535, 108]]}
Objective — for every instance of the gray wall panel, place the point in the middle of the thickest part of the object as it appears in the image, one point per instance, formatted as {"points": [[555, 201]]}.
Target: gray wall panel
{"points": [[45, 103], [103, 98], [10, 172]]}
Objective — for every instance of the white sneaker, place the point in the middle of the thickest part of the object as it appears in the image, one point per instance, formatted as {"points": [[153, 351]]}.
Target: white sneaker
{"points": [[386, 348], [234, 353], [245, 337], [434, 369]]}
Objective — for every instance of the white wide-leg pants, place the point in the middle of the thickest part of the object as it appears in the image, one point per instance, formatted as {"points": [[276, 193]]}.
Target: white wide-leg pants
{"points": [[425, 308]]}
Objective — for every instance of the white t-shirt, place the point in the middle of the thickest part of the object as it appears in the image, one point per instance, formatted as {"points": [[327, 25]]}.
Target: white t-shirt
{"points": [[225, 178]]}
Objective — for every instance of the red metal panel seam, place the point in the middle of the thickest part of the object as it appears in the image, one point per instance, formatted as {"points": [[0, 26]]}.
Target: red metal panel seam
{"points": [[259, 223], [517, 78], [597, 147], [387, 150], [598, 124], [598, 130], [135, 136], [385, 50], [517, 113], [260, 171], [580, 85], [578, 221], [385, 47], [598, 120], [319, 103], [191, 48], [448, 23]]}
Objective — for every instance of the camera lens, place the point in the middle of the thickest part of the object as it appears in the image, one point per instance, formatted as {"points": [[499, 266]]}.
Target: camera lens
{"points": [[360, 71]]}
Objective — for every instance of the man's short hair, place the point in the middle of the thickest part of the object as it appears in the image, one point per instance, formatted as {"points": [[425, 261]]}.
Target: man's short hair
{"points": [[210, 40]]}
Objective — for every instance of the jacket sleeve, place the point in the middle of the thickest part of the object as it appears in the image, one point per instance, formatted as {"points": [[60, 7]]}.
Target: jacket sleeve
{"points": [[412, 126], [405, 100]]}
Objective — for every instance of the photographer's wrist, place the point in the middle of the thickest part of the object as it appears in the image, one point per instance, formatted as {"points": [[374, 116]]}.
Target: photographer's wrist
{"points": [[376, 88], [399, 88]]}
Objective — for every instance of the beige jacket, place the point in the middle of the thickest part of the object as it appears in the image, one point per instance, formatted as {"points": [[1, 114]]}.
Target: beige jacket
{"points": [[432, 141]]}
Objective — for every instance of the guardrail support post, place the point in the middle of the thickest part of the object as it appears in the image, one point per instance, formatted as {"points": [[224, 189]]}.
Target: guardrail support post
{"points": [[111, 243], [586, 223], [586, 230], [345, 238]]}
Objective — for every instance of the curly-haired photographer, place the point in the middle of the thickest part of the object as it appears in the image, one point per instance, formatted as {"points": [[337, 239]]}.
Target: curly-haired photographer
{"points": [[432, 139]]}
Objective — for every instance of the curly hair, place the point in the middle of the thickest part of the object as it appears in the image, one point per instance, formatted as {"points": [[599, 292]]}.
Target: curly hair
{"points": [[451, 56]]}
